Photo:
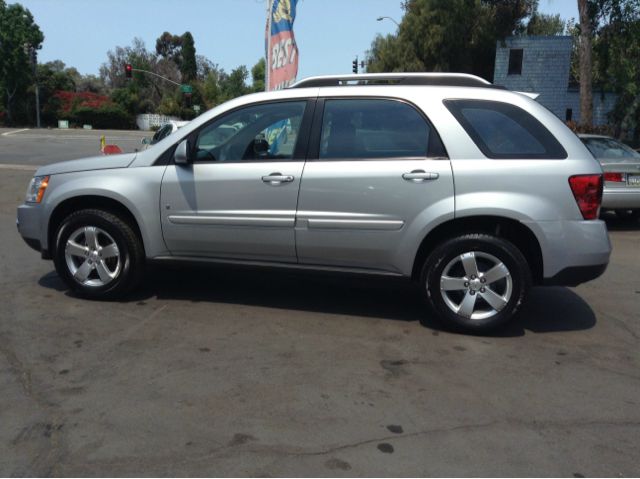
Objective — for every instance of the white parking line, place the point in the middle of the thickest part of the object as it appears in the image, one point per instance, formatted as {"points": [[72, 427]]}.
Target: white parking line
{"points": [[31, 136], [7, 133], [18, 167]]}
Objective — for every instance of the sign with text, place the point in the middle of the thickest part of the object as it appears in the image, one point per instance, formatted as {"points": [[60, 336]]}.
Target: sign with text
{"points": [[282, 51]]}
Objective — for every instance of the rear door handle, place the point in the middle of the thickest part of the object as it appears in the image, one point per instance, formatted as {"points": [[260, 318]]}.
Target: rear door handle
{"points": [[419, 176], [277, 178]]}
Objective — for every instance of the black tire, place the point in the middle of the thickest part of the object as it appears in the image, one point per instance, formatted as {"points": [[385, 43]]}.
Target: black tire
{"points": [[131, 257], [489, 246], [628, 215]]}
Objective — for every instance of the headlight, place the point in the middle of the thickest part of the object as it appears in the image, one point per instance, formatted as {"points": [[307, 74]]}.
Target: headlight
{"points": [[36, 189]]}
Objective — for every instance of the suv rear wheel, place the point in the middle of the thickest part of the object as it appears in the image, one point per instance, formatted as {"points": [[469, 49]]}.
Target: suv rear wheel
{"points": [[98, 254], [475, 282]]}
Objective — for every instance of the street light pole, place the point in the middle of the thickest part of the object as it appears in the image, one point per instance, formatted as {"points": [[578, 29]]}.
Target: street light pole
{"points": [[379, 19]]}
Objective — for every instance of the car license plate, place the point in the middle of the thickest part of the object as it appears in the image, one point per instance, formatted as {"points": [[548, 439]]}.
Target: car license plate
{"points": [[633, 180]]}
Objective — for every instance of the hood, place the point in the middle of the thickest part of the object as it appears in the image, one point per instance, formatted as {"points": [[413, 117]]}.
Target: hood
{"points": [[87, 164]]}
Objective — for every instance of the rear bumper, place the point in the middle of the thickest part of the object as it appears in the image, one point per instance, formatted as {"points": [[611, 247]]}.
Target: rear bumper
{"points": [[621, 198], [573, 251]]}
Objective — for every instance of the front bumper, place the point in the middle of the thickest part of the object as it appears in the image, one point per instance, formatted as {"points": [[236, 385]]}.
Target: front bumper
{"points": [[29, 223]]}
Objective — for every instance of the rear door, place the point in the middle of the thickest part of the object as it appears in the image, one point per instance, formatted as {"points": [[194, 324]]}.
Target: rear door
{"points": [[376, 176]]}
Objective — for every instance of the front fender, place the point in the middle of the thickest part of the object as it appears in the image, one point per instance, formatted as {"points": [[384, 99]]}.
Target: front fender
{"points": [[137, 189]]}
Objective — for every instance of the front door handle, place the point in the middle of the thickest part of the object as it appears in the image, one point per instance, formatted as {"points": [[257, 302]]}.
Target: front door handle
{"points": [[277, 178], [420, 176]]}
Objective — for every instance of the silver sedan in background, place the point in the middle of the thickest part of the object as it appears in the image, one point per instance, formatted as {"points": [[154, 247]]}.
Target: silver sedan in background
{"points": [[621, 165]]}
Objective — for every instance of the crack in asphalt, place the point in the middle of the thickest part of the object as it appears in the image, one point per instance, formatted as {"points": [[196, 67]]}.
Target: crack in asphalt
{"points": [[282, 450], [45, 463]]}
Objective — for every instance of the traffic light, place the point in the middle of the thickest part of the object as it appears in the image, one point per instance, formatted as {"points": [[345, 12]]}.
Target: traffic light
{"points": [[355, 65], [128, 69]]}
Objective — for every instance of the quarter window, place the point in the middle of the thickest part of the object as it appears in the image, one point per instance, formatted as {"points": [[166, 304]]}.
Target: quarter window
{"points": [[504, 131], [375, 129], [266, 132]]}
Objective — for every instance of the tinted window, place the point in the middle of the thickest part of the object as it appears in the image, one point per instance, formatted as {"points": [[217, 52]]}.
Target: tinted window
{"points": [[265, 132], [374, 129], [504, 131]]}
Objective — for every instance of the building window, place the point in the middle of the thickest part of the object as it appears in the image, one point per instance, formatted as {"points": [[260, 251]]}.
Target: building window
{"points": [[515, 61], [568, 115]]}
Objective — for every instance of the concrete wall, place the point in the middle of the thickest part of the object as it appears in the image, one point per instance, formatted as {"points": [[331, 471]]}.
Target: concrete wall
{"points": [[147, 121]]}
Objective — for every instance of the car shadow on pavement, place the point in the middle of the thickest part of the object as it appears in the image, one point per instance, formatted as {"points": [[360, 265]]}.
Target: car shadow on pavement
{"points": [[546, 310], [620, 224]]}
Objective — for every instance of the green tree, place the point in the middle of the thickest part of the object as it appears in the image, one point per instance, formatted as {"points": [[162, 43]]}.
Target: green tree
{"points": [[169, 46], [543, 24], [449, 35], [189, 66], [258, 75], [616, 50], [17, 30], [234, 84]]}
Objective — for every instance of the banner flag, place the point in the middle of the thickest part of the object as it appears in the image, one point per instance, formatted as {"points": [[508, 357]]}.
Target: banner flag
{"points": [[282, 51]]}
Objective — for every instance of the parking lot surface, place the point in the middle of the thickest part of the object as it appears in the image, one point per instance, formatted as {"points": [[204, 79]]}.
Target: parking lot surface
{"points": [[215, 371]]}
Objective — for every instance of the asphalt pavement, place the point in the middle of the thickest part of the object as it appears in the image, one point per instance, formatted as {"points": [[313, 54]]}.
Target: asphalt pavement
{"points": [[246, 372], [35, 147]]}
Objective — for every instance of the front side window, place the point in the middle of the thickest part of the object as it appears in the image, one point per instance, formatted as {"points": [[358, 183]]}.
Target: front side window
{"points": [[266, 132], [373, 129], [504, 131]]}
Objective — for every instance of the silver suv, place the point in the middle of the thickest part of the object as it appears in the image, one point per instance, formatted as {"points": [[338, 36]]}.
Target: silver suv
{"points": [[474, 192]]}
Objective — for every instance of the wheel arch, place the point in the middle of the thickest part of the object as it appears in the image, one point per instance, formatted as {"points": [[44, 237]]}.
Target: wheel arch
{"points": [[69, 205], [512, 230]]}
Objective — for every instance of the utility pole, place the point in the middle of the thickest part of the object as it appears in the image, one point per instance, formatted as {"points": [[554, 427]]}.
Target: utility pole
{"points": [[32, 55]]}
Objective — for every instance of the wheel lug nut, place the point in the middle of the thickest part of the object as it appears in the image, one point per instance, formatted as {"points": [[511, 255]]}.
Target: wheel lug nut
{"points": [[473, 276], [466, 284], [472, 292], [482, 290]]}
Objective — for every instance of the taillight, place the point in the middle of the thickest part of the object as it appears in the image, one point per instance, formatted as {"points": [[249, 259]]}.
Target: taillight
{"points": [[587, 190], [617, 177]]}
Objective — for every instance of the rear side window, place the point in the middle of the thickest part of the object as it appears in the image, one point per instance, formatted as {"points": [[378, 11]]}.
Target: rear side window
{"points": [[375, 129], [504, 131]]}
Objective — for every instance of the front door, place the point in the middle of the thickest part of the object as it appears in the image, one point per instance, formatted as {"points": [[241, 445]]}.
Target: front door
{"points": [[376, 179], [238, 197]]}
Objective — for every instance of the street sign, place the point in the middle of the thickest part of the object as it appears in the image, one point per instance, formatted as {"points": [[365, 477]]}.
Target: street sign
{"points": [[196, 108], [186, 88]]}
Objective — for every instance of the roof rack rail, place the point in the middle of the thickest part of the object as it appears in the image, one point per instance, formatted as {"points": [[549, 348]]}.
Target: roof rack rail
{"points": [[434, 79]]}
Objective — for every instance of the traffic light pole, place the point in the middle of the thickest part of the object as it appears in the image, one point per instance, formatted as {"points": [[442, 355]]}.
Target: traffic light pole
{"points": [[155, 75]]}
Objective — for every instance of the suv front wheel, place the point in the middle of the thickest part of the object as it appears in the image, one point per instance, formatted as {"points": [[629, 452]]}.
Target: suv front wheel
{"points": [[476, 282], [98, 254]]}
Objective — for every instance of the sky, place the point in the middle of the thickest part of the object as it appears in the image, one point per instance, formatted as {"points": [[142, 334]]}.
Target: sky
{"points": [[329, 33]]}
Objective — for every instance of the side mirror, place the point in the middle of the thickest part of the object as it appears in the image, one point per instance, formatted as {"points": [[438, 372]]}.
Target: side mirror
{"points": [[146, 140], [181, 156]]}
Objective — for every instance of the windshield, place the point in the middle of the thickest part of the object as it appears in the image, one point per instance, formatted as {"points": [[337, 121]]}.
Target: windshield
{"points": [[611, 150]]}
